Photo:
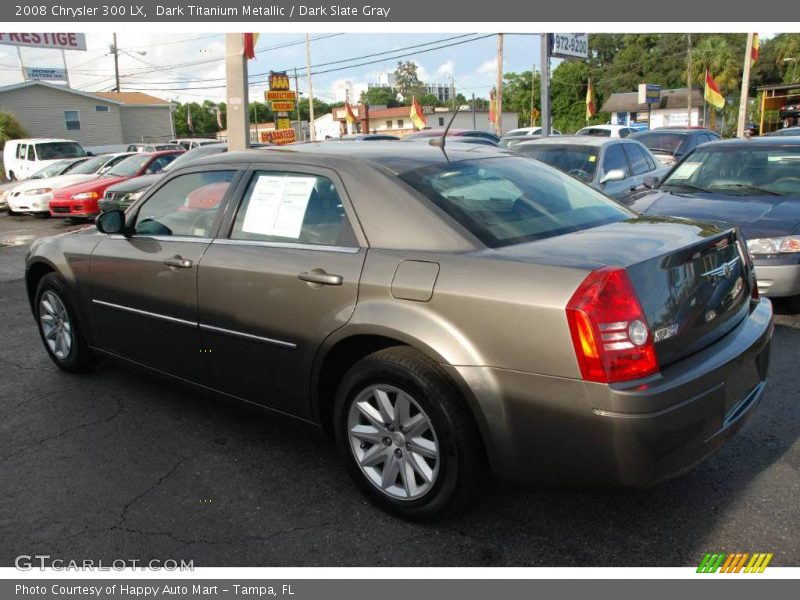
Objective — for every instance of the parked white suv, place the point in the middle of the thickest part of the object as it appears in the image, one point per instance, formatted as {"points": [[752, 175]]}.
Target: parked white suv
{"points": [[22, 158]]}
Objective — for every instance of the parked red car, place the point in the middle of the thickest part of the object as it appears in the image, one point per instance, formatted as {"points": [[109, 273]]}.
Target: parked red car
{"points": [[81, 200]]}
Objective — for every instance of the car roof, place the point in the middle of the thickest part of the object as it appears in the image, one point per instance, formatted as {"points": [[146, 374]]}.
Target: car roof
{"points": [[773, 141], [41, 140], [398, 158], [574, 140], [607, 127]]}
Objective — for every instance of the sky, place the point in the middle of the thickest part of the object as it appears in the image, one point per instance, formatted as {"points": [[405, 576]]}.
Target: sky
{"points": [[190, 66]]}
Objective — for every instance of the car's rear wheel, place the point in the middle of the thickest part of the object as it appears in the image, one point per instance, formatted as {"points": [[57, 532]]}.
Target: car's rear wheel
{"points": [[407, 436], [60, 327]]}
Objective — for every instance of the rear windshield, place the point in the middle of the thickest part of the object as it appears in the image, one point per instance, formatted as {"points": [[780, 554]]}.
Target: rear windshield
{"points": [[93, 165], [662, 141], [595, 132], [576, 160], [130, 166], [510, 200], [51, 150]]}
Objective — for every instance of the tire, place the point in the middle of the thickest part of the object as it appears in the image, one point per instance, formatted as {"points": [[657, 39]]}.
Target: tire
{"points": [[73, 356], [793, 303], [446, 438]]}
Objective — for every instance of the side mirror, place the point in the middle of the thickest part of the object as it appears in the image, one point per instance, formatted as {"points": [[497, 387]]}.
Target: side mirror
{"points": [[112, 221], [651, 182], [613, 175]]}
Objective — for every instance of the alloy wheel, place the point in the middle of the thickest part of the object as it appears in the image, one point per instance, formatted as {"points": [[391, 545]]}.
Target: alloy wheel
{"points": [[55, 324], [393, 442]]}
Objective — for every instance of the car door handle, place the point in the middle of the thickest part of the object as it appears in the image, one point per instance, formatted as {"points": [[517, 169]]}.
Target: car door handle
{"points": [[179, 262], [320, 277]]}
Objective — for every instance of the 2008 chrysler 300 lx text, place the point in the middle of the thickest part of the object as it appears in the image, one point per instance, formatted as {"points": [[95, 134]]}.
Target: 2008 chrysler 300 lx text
{"points": [[439, 310]]}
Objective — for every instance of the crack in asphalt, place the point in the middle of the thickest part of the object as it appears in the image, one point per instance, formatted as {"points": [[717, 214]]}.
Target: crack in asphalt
{"points": [[63, 433]]}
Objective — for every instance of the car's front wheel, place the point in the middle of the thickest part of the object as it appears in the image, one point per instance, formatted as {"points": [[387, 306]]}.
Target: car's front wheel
{"points": [[408, 438], [60, 328]]}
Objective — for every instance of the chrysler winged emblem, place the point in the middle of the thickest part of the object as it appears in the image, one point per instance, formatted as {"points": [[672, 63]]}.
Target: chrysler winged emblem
{"points": [[724, 270]]}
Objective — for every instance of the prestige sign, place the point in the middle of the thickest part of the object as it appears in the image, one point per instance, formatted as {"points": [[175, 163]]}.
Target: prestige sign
{"points": [[59, 41]]}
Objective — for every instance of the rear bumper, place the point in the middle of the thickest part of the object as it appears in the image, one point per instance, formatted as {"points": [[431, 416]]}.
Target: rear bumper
{"points": [[778, 277], [546, 429]]}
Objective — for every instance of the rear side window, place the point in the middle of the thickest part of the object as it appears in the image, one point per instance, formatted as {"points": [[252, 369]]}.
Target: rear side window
{"points": [[292, 208], [639, 162], [31, 154], [504, 201], [614, 158]]}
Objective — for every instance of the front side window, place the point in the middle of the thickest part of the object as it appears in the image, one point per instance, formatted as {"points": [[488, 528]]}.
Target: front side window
{"points": [[185, 206], [511, 200], [614, 158], [292, 208], [31, 154], [638, 158], [72, 120]]}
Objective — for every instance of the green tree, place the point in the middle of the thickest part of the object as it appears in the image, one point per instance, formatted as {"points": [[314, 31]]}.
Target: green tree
{"points": [[723, 60], [568, 97], [10, 128], [379, 96], [517, 95], [406, 79]]}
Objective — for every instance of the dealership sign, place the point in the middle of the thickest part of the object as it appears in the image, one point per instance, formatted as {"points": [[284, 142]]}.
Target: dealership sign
{"points": [[58, 41], [569, 45], [649, 93], [37, 73]]}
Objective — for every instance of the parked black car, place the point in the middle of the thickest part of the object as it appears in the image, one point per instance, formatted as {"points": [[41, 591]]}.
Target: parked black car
{"points": [[670, 144]]}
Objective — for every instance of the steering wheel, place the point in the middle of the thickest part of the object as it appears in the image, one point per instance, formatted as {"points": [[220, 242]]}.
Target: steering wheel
{"points": [[580, 173]]}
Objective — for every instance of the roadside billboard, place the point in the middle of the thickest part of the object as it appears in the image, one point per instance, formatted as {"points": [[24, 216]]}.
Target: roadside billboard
{"points": [[58, 41]]}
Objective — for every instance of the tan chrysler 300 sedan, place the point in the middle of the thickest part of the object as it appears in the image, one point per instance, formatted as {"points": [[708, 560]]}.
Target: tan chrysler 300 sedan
{"points": [[444, 312]]}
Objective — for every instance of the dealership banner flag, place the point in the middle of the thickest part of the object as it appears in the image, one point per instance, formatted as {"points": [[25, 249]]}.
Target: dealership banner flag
{"points": [[250, 40], [189, 123], [590, 108], [416, 115], [754, 51], [349, 114], [492, 108], [712, 94], [219, 118]]}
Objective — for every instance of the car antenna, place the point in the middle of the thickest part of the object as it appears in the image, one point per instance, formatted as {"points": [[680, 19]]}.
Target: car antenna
{"points": [[440, 141]]}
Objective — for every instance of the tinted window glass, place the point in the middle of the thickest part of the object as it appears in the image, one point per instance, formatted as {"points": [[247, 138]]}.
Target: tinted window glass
{"points": [[185, 206], [614, 158], [292, 208], [595, 132], [663, 141], [511, 200], [50, 150], [577, 160], [639, 163]]}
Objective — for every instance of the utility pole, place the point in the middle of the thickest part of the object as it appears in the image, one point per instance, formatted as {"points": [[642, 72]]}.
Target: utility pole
{"points": [[688, 81], [66, 69], [311, 129], [22, 65], [115, 52], [748, 53], [297, 107], [544, 83], [533, 89], [236, 79], [474, 126], [498, 102]]}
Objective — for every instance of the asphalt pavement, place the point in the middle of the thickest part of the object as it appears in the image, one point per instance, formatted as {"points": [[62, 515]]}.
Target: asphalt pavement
{"points": [[122, 464]]}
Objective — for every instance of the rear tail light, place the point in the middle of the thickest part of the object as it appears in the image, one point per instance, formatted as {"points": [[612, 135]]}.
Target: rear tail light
{"points": [[609, 329]]}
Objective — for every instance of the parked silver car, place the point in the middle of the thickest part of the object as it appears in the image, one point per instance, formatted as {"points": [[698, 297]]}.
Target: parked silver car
{"points": [[619, 168], [437, 310]]}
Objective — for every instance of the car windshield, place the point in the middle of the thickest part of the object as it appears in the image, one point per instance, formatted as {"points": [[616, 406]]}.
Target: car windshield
{"points": [[595, 132], [577, 160], [93, 165], [51, 150], [130, 166], [511, 200], [743, 169], [662, 141], [57, 168]]}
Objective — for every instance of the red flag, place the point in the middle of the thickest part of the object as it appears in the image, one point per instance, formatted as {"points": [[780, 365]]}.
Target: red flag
{"points": [[754, 51], [590, 108], [492, 108], [250, 40], [416, 115], [350, 116]]}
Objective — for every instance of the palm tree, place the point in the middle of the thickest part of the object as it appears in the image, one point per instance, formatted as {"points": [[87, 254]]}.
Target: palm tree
{"points": [[787, 54], [716, 55]]}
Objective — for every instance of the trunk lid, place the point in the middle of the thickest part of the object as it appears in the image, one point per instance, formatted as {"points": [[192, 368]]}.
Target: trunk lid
{"points": [[693, 280]]}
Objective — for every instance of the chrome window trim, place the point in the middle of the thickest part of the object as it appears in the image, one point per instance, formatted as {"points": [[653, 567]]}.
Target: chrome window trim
{"points": [[162, 238], [145, 313], [248, 336], [288, 245]]}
